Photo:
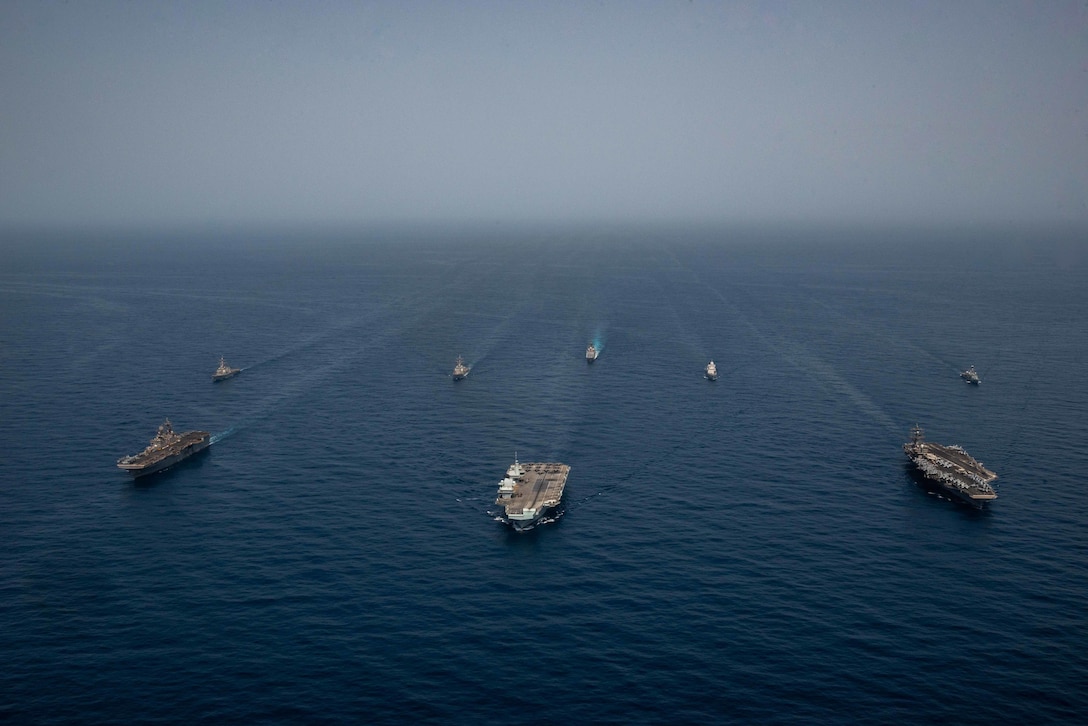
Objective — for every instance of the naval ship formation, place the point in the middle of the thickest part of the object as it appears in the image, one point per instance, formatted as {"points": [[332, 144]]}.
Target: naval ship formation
{"points": [[530, 491], [166, 449], [951, 468]]}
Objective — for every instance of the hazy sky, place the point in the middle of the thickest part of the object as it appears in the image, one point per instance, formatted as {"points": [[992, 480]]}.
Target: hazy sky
{"points": [[150, 113]]}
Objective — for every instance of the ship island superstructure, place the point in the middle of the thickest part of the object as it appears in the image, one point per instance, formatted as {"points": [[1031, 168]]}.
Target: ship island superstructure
{"points": [[591, 353], [711, 371], [460, 370], [224, 371], [530, 491], [971, 376], [166, 449], [951, 468]]}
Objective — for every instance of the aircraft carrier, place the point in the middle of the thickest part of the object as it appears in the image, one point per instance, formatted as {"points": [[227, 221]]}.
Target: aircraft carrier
{"points": [[530, 491], [952, 469], [166, 449]]}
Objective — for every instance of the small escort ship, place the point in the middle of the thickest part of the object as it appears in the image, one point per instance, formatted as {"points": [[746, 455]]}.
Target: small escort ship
{"points": [[460, 370], [166, 449], [591, 353], [971, 376], [530, 491], [711, 371], [224, 371], [952, 469]]}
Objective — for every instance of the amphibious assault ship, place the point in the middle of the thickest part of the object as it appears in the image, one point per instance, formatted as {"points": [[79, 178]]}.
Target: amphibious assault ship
{"points": [[952, 469], [529, 491], [460, 370], [971, 376], [591, 353], [224, 371], [711, 371], [166, 449]]}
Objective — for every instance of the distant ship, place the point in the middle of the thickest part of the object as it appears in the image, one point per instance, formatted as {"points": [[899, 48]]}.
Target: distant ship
{"points": [[224, 371], [952, 469], [711, 371], [591, 353], [971, 376], [460, 370], [166, 449], [530, 491]]}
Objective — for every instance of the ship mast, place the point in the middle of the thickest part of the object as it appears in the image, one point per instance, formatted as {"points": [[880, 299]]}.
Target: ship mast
{"points": [[917, 435]]}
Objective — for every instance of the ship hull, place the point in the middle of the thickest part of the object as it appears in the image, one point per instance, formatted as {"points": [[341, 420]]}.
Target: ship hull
{"points": [[952, 492], [224, 376], [165, 463], [524, 525]]}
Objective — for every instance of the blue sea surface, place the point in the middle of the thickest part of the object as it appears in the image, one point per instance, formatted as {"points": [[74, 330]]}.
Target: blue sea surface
{"points": [[753, 549]]}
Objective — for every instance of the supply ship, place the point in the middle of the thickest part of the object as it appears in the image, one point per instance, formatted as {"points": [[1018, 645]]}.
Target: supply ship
{"points": [[530, 491], [224, 371], [952, 469], [591, 353], [166, 449], [711, 371], [460, 370], [971, 376]]}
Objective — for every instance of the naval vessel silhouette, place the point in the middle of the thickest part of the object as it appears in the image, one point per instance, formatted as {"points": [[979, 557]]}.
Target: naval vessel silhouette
{"points": [[166, 449], [951, 468], [531, 491], [224, 371], [460, 370]]}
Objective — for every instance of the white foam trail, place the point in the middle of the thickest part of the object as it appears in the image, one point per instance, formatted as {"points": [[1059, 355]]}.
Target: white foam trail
{"points": [[216, 438]]}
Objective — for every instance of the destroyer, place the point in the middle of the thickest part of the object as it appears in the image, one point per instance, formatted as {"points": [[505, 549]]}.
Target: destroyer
{"points": [[224, 371], [971, 376], [460, 370], [166, 449], [530, 491], [952, 469], [711, 371], [591, 353]]}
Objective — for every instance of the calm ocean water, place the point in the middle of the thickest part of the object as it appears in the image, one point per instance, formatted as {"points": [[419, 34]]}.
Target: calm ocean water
{"points": [[750, 550]]}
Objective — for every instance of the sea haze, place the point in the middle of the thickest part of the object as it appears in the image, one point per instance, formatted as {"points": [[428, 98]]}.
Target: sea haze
{"points": [[751, 549]]}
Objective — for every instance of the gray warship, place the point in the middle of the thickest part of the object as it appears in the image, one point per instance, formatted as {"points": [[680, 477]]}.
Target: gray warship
{"points": [[166, 449], [224, 371], [531, 491], [951, 468], [460, 370], [591, 353], [971, 376], [711, 371]]}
